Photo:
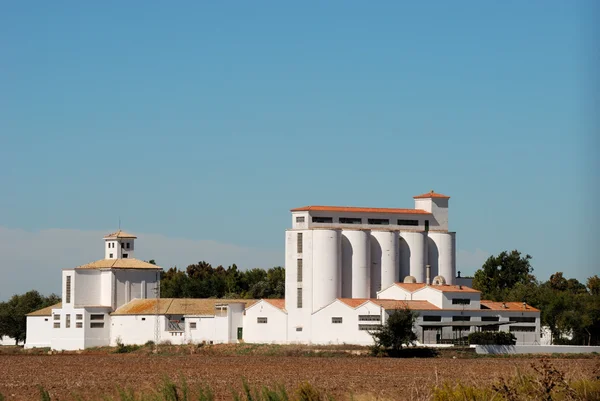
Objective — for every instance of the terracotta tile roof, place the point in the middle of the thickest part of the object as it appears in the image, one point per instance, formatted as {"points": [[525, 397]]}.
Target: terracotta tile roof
{"points": [[119, 234], [127, 263], [278, 303], [431, 194], [177, 306], [47, 311], [389, 304], [349, 209], [507, 306], [354, 302], [412, 287]]}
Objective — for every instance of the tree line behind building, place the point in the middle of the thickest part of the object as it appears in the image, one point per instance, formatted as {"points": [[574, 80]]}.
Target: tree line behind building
{"points": [[570, 309]]}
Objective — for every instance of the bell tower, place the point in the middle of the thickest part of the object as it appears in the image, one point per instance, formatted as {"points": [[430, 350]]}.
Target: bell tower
{"points": [[119, 245]]}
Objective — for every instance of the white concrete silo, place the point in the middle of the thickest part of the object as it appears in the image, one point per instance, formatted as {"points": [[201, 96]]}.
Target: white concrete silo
{"points": [[417, 246], [384, 260], [356, 263], [445, 243], [327, 267]]}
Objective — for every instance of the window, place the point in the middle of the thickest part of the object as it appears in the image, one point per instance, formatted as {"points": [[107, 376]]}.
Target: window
{"points": [[68, 321], [68, 290], [125, 256], [122, 245], [408, 222], [45, 319], [369, 318], [336, 320], [261, 320], [299, 243], [299, 300], [322, 219], [78, 316], [381, 222], [490, 328], [298, 328], [192, 325], [299, 278], [96, 325], [110, 256], [432, 318], [300, 219], [96, 316], [57, 325], [56, 317], [461, 318], [143, 319], [461, 301], [79, 325], [350, 220], [522, 319], [426, 225], [128, 245], [490, 319], [365, 327], [522, 328]]}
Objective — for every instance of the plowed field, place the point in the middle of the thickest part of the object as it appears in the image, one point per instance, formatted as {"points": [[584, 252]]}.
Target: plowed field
{"points": [[91, 375]]}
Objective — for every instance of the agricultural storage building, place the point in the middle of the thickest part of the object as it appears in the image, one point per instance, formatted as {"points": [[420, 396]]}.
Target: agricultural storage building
{"points": [[347, 270]]}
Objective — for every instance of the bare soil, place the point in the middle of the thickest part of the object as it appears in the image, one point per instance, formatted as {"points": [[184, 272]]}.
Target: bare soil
{"points": [[92, 375]]}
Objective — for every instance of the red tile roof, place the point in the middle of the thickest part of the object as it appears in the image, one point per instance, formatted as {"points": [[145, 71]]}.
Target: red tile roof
{"points": [[278, 303], [349, 209], [412, 287], [389, 304], [431, 194], [354, 302], [507, 306]]}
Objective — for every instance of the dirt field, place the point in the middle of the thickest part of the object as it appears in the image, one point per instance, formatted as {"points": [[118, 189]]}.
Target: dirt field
{"points": [[90, 375]]}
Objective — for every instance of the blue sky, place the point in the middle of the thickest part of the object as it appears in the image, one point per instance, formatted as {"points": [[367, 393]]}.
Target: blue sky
{"points": [[206, 121]]}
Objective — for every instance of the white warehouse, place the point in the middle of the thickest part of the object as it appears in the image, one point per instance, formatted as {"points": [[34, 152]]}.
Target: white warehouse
{"points": [[347, 269]]}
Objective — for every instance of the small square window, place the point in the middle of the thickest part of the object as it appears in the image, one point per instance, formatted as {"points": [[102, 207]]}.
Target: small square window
{"points": [[122, 245], [57, 325], [193, 325], [78, 316], [300, 219], [110, 256], [336, 320], [79, 325], [261, 320], [298, 328], [56, 317], [143, 318], [128, 245], [125, 256]]}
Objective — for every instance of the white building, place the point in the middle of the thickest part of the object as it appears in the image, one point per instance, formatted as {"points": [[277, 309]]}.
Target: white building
{"points": [[347, 270]]}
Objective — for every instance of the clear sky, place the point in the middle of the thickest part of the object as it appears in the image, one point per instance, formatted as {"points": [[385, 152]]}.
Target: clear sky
{"points": [[205, 122]]}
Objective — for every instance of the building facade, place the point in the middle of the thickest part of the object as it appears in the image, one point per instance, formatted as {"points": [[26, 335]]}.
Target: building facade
{"points": [[347, 269]]}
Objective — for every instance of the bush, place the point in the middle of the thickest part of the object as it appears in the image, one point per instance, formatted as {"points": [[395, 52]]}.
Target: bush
{"points": [[125, 349], [492, 338]]}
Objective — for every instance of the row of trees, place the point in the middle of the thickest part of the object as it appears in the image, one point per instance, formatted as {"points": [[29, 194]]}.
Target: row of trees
{"points": [[569, 308], [201, 280], [13, 312]]}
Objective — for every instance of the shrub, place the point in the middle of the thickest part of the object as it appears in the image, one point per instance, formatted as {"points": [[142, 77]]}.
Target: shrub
{"points": [[492, 338], [124, 349]]}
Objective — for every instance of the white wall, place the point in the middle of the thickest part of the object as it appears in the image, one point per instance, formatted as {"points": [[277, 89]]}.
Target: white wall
{"points": [[347, 332], [299, 318], [133, 279], [474, 297], [88, 288], [97, 337], [67, 338], [39, 331], [394, 292], [429, 294], [5, 340], [134, 329], [274, 331], [533, 349]]}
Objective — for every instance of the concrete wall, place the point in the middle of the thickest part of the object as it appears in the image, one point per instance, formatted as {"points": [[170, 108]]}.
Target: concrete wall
{"points": [[128, 285], [88, 288], [274, 331], [347, 332], [39, 331], [97, 337], [67, 338], [535, 349], [394, 292]]}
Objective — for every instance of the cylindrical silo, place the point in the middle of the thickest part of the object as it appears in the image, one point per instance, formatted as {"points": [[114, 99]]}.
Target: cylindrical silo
{"points": [[446, 254], [327, 265], [417, 247], [356, 263], [384, 260]]}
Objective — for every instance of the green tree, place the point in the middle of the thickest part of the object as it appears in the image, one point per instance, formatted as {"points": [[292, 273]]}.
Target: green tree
{"points": [[499, 274], [593, 285], [396, 332], [13, 319]]}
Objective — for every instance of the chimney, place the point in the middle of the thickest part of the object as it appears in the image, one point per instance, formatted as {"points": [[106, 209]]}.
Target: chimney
{"points": [[427, 274]]}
